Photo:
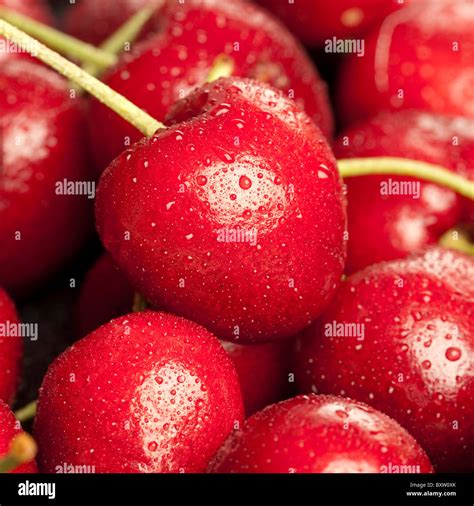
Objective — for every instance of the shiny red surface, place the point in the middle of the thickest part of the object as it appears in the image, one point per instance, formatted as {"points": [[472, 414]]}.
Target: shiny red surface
{"points": [[241, 157], [158, 390], [9, 428], [263, 371], [423, 52], [315, 21], [320, 434], [386, 227], [105, 294], [178, 59], [415, 360], [42, 143], [11, 347]]}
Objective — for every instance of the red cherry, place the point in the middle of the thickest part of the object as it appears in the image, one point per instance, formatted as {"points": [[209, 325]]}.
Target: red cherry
{"points": [[171, 64], [9, 428], [233, 218], [420, 57], [36, 9], [401, 224], [400, 336], [158, 389], [11, 348], [105, 294], [315, 21], [42, 130], [263, 371], [320, 434]]}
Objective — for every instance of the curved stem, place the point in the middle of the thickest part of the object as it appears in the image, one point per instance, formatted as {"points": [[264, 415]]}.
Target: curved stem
{"points": [[23, 449], [60, 41], [223, 66], [118, 103], [128, 32], [375, 166], [27, 412], [457, 239]]}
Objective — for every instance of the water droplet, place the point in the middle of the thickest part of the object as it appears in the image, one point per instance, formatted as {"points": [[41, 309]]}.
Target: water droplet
{"points": [[233, 196], [181, 379], [426, 364], [201, 180], [453, 354], [245, 182], [153, 446]]}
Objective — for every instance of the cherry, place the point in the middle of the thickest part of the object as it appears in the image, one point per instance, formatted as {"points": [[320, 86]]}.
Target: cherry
{"points": [[315, 21], [105, 294], [399, 335], [320, 434], [43, 145], [169, 65], [36, 9], [262, 369], [158, 389], [11, 347], [400, 224], [233, 217], [420, 57], [9, 429]]}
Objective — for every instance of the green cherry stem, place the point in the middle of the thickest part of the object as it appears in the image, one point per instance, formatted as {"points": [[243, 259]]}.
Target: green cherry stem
{"points": [[223, 66], [377, 166], [59, 41], [457, 239], [126, 34], [139, 303], [118, 103], [23, 449], [27, 412]]}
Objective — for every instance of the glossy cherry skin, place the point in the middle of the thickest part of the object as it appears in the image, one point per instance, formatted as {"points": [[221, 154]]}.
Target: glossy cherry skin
{"points": [[36, 9], [9, 428], [105, 294], [171, 64], [164, 390], [414, 356], [315, 21], [320, 434], [42, 132], [263, 371], [419, 58], [233, 217], [11, 348], [386, 227]]}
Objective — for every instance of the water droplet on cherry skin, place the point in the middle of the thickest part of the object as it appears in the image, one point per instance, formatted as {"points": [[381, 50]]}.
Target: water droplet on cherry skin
{"points": [[245, 182], [453, 354]]}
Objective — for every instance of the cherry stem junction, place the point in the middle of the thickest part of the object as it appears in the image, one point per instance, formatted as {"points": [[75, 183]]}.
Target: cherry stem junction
{"points": [[27, 412], [23, 449]]}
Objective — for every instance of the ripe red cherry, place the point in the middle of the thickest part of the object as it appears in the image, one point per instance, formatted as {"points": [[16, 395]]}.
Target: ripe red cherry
{"points": [[233, 217], [263, 371], [9, 428], [43, 144], [36, 9], [165, 393], [320, 434], [172, 63], [401, 224], [315, 21], [400, 336], [11, 347], [105, 294], [420, 57]]}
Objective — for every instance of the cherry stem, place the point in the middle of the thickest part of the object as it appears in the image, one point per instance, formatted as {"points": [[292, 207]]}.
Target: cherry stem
{"points": [[23, 449], [127, 33], [223, 66], [457, 239], [60, 41], [139, 303], [118, 103], [377, 166], [27, 412]]}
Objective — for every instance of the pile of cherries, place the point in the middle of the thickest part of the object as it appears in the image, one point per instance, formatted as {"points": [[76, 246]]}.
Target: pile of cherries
{"points": [[249, 311]]}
